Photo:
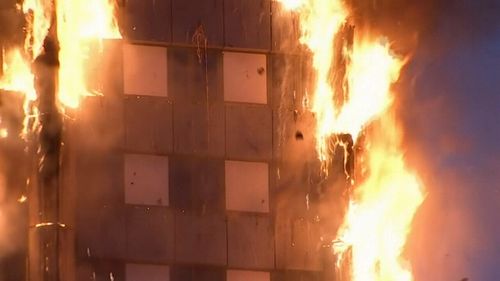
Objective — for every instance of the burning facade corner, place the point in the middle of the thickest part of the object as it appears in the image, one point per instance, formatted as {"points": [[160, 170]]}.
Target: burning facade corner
{"points": [[352, 93], [172, 157], [50, 72]]}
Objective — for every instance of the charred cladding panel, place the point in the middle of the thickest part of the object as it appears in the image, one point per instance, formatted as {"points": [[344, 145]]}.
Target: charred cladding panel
{"points": [[194, 21], [147, 20]]}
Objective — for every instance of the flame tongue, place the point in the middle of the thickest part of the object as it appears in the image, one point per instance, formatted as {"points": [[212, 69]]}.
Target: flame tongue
{"points": [[379, 218], [382, 206], [80, 23]]}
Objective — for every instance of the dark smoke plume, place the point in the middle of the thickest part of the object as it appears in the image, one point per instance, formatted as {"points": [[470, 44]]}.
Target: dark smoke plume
{"points": [[409, 23]]}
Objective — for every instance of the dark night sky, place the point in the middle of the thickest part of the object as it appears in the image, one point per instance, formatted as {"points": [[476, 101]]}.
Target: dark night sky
{"points": [[452, 113]]}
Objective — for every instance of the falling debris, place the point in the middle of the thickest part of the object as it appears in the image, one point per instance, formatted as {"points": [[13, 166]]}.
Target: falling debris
{"points": [[22, 199]]}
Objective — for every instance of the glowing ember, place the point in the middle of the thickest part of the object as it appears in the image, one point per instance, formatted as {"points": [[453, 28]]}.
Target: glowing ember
{"points": [[4, 133], [383, 205]]}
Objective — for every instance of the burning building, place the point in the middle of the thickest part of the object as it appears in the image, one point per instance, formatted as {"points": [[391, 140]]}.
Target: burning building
{"points": [[217, 140]]}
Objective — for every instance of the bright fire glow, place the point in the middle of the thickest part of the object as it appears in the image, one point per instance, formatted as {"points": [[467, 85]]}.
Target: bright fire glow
{"points": [[4, 133], [17, 75], [382, 206], [371, 72], [381, 211], [320, 21], [292, 4], [38, 14], [80, 23]]}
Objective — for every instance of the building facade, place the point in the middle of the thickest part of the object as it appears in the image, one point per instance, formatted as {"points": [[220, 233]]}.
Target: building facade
{"points": [[197, 163]]}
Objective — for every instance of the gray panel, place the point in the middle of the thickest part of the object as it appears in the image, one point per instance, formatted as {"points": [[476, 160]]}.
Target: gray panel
{"points": [[150, 234], [285, 29], [147, 20], [248, 132], [298, 244], [197, 184], [197, 273], [200, 239], [199, 129], [194, 75], [190, 14], [101, 233], [148, 124], [100, 179], [250, 242], [247, 23]]}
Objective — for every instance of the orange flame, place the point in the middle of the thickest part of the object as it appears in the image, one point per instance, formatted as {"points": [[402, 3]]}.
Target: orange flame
{"points": [[79, 24], [381, 211], [38, 14], [383, 205], [17, 77], [371, 72]]}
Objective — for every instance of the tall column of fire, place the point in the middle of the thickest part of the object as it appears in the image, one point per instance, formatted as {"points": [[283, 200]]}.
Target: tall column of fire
{"points": [[352, 96], [50, 73]]}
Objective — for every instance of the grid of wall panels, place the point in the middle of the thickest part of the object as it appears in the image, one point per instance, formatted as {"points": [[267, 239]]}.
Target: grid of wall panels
{"points": [[193, 189]]}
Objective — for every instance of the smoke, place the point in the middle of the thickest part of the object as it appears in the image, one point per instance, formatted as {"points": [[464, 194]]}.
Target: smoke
{"points": [[11, 23], [12, 220], [409, 24], [13, 165], [13, 174], [447, 99]]}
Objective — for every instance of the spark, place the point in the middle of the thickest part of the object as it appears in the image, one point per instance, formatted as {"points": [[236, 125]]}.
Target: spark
{"points": [[22, 199]]}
